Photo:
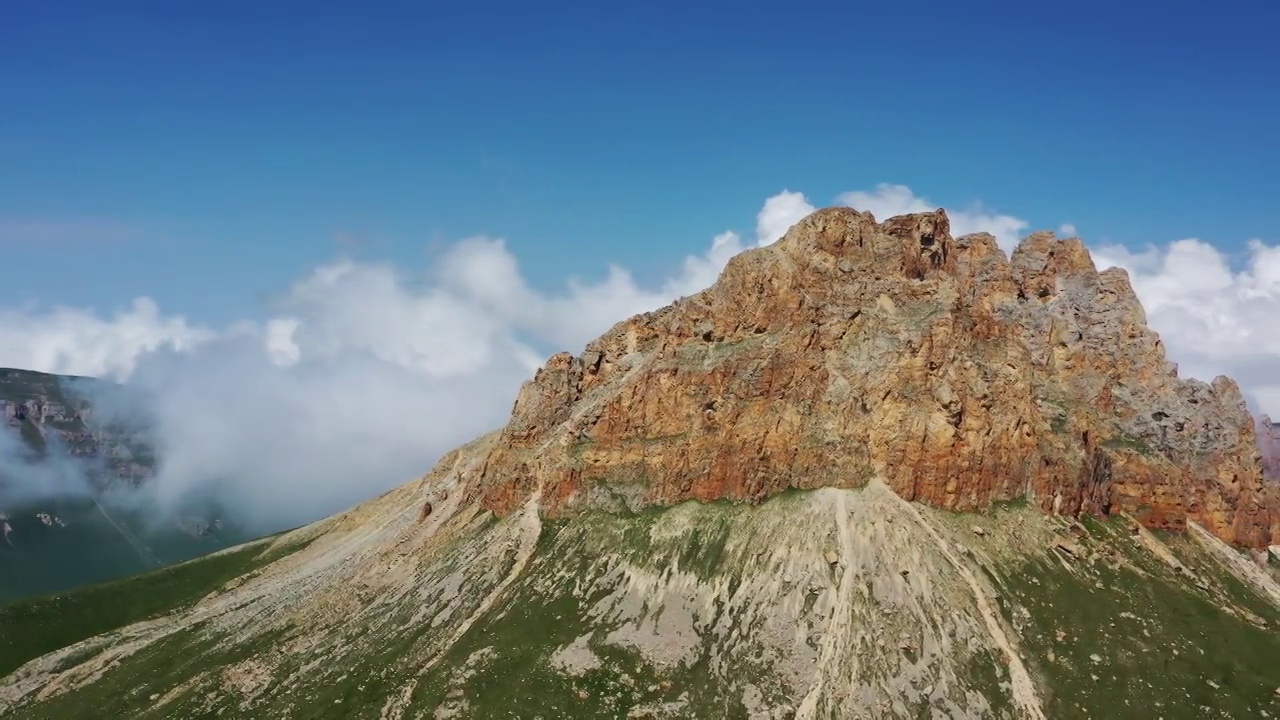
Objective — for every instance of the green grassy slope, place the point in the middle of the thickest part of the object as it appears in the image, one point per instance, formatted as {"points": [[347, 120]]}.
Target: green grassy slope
{"points": [[680, 613], [35, 626], [1122, 634]]}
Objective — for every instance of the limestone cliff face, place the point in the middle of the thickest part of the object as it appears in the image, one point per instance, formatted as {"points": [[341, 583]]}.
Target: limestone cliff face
{"points": [[851, 349]]}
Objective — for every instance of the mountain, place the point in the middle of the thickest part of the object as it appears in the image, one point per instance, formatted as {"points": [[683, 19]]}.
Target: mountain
{"points": [[849, 351], [61, 466], [874, 471]]}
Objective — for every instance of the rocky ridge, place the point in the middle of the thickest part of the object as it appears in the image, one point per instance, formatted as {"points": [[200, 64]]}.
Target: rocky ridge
{"points": [[852, 349]]}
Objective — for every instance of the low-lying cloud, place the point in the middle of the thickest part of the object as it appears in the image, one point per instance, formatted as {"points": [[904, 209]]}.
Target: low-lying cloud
{"points": [[366, 373], [24, 475]]}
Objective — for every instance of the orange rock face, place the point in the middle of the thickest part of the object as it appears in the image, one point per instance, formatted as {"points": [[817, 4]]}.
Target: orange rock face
{"points": [[850, 349]]}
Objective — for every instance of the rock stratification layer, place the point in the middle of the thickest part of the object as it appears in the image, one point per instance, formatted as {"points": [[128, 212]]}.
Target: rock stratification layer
{"points": [[852, 349]]}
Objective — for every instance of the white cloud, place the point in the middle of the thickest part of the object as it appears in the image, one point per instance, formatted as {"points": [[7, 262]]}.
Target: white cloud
{"points": [[366, 373], [79, 342], [779, 213], [1067, 230]]}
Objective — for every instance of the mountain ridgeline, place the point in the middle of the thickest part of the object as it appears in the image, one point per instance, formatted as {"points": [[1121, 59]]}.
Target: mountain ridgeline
{"points": [[874, 471]]}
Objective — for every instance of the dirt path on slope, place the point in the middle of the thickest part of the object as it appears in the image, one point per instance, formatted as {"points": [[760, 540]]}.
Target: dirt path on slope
{"points": [[1024, 691], [530, 531], [839, 613]]}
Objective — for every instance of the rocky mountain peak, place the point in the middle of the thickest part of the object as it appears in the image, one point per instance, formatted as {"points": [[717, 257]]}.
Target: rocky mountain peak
{"points": [[852, 349]]}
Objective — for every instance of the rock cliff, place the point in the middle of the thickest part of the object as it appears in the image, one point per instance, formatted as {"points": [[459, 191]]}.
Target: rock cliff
{"points": [[852, 349], [53, 415]]}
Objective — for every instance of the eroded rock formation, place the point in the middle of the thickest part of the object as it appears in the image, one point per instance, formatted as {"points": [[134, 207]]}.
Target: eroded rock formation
{"points": [[851, 349]]}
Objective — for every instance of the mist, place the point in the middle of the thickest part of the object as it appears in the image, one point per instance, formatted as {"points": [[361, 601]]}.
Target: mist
{"points": [[363, 375], [28, 477], [282, 445]]}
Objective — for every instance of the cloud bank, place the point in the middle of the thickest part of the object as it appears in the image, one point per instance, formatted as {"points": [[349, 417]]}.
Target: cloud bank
{"points": [[366, 374]]}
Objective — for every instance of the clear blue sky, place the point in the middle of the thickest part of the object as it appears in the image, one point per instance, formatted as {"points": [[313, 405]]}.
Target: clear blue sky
{"points": [[207, 156]]}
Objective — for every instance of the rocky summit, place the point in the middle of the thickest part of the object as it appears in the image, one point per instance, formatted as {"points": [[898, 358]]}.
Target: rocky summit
{"points": [[874, 471], [851, 350]]}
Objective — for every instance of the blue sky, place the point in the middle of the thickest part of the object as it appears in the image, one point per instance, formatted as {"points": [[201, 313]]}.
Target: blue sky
{"points": [[206, 157]]}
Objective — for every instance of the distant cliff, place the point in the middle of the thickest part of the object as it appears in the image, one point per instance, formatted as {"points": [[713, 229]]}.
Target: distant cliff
{"points": [[55, 414], [59, 526]]}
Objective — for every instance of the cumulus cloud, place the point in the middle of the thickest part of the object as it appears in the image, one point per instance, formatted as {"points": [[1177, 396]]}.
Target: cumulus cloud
{"points": [[78, 342], [1067, 230], [779, 213], [365, 373]]}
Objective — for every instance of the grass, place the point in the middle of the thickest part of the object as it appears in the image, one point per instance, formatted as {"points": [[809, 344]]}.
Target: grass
{"points": [[33, 627], [1132, 615], [1228, 586], [542, 613], [370, 664], [33, 438], [1020, 502], [187, 655], [984, 669], [1161, 647]]}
